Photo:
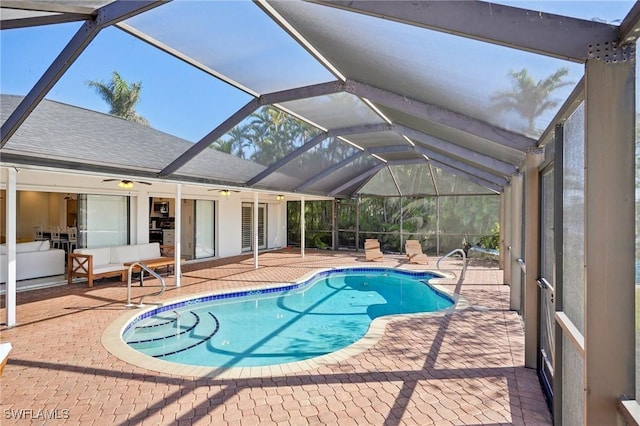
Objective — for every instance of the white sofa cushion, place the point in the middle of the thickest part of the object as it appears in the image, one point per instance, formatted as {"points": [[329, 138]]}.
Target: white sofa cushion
{"points": [[101, 256], [106, 268], [29, 246], [122, 254], [35, 264], [149, 251]]}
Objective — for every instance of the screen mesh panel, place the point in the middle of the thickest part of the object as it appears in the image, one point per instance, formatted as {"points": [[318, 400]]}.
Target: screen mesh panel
{"points": [[235, 39], [573, 218]]}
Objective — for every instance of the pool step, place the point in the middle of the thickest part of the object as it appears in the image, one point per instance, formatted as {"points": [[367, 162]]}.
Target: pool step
{"points": [[192, 329]]}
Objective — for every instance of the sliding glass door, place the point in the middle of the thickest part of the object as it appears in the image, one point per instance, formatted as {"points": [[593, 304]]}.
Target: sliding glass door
{"points": [[103, 220], [205, 228]]}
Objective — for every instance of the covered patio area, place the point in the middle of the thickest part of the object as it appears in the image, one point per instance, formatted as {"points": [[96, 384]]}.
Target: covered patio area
{"points": [[462, 368]]}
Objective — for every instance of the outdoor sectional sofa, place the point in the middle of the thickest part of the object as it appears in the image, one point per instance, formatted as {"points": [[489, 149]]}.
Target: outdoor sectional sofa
{"points": [[94, 263], [34, 259]]}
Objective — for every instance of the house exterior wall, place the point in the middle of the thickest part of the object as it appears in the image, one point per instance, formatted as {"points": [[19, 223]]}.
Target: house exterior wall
{"points": [[41, 202]]}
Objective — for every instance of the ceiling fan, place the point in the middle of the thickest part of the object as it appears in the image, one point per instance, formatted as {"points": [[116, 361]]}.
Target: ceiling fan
{"points": [[224, 192], [125, 183]]}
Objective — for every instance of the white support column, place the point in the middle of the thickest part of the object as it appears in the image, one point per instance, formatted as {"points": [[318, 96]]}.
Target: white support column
{"points": [[505, 234], [302, 227], [531, 249], [177, 234], [503, 203], [10, 265], [142, 217], [515, 303], [437, 225], [401, 214], [255, 230]]}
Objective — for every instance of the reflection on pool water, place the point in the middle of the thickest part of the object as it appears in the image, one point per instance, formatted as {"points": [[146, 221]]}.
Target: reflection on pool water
{"points": [[326, 313]]}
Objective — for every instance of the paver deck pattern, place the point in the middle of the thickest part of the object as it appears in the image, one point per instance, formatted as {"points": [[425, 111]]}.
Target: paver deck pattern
{"points": [[465, 368]]}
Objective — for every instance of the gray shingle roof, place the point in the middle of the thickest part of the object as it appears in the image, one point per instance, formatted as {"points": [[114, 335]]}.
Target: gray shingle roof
{"points": [[67, 133]]}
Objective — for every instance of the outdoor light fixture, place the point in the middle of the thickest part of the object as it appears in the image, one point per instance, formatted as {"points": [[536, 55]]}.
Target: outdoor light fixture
{"points": [[125, 184], [279, 197], [225, 192]]}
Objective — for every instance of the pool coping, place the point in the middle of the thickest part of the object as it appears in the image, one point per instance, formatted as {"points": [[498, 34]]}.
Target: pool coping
{"points": [[112, 336]]}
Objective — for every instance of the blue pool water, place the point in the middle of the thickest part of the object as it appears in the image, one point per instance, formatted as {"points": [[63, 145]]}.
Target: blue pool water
{"points": [[328, 312]]}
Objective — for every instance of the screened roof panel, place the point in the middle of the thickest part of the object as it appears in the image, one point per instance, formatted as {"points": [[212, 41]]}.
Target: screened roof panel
{"points": [[328, 153], [372, 140], [343, 175], [334, 111], [450, 184], [266, 136], [279, 182], [425, 65], [414, 179], [380, 184], [235, 39]]}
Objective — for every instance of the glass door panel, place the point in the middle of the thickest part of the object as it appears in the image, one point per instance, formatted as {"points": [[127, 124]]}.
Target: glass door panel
{"points": [[205, 228]]}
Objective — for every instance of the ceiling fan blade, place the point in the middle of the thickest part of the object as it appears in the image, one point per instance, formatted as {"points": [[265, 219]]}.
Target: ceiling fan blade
{"points": [[144, 183], [109, 180]]}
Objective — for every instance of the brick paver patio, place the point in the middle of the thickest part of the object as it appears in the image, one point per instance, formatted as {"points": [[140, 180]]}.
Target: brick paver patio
{"points": [[462, 368]]}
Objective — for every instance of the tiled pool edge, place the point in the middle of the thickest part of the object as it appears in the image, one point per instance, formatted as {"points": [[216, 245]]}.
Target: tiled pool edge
{"points": [[112, 336]]}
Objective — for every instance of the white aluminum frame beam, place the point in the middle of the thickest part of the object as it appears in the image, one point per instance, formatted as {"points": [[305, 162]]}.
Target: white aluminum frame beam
{"points": [[106, 16], [543, 33]]}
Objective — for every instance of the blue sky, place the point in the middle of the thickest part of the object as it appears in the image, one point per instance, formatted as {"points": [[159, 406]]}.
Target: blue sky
{"points": [[189, 106], [176, 98]]}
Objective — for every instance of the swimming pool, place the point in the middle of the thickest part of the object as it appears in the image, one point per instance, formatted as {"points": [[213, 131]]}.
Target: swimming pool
{"points": [[329, 311]]}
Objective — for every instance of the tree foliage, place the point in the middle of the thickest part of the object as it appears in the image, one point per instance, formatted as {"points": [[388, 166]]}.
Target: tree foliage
{"points": [[529, 98], [474, 218], [121, 96]]}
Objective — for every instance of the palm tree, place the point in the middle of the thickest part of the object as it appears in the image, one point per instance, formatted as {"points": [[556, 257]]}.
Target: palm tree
{"points": [[223, 145], [529, 98], [121, 96]]}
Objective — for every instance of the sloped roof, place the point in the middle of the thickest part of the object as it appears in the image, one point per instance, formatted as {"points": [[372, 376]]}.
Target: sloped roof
{"points": [[394, 88], [57, 131]]}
